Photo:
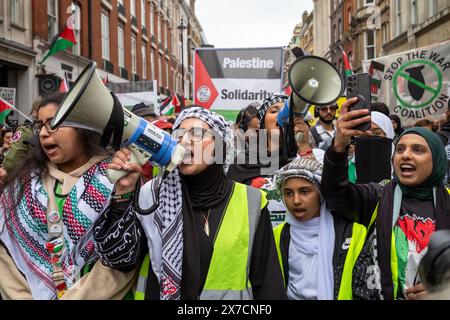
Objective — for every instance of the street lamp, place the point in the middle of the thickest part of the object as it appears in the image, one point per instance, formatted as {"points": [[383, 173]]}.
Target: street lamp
{"points": [[182, 27]]}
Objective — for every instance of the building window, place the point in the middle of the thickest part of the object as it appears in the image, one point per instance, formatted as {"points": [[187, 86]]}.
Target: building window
{"points": [[105, 36], [121, 45], [433, 7], [334, 33], [159, 70], [16, 12], [369, 44], [165, 36], [174, 81], [133, 54], [152, 24], [144, 62], [159, 28], [133, 7], [52, 9], [398, 17], [385, 31], [367, 2], [339, 29], [143, 15], [76, 16], [152, 65], [167, 76], [349, 17], [414, 17]]}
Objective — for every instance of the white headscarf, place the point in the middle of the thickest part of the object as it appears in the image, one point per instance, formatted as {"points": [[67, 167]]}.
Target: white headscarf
{"points": [[309, 255], [384, 122]]}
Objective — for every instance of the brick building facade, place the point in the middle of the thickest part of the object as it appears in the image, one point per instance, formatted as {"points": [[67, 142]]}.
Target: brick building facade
{"points": [[130, 40]]}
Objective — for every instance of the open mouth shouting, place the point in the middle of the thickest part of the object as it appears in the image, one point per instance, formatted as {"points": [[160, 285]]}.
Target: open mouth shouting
{"points": [[407, 170], [51, 149]]}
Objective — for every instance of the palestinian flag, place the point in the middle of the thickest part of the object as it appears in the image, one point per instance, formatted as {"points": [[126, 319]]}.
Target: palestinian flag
{"points": [[172, 105], [64, 86], [347, 67], [65, 39], [167, 108], [375, 70], [5, 109]]}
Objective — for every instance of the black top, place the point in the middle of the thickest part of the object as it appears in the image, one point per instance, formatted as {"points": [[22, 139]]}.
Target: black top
{"points": [[265, 273], [357, 202]]}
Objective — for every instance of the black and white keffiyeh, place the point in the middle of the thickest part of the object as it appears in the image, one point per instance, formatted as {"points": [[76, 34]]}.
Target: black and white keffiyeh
{"points": [[306, 168], [164, 228], [158, 207], [267, 103]]}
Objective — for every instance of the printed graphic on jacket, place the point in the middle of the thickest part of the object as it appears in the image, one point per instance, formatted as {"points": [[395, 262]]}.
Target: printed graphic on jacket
{"points": [[412, 234], [275, 204]]}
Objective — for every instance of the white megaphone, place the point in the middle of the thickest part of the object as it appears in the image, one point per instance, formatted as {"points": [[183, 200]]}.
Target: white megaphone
{"points": [[314, 81], [90, 105]]}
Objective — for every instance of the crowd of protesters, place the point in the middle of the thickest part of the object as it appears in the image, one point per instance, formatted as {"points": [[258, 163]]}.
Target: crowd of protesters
{"points": [[263, 222]]}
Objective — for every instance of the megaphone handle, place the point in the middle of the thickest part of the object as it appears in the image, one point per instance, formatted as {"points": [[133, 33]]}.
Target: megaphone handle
{"points": [[136, 157]]}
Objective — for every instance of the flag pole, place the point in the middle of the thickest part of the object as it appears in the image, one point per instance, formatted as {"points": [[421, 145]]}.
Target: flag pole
{"points": [[15, 109]]}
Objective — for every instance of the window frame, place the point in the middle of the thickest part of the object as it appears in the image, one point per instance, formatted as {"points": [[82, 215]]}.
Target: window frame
{"points": [[367, 46], [143, 13], [121, 50], [133, 54], [144, 60], [55, 21], [106, 41]]}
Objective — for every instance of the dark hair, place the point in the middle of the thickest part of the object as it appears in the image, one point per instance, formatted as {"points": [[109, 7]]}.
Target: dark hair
{"points": [[171, 120], [423, 123], [380, 107], [399, 130], [35, 163], [246, 115], [4, 132]]}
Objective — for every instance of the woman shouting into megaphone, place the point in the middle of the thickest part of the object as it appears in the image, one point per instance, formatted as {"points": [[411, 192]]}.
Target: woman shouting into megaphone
{"points": [[47, 208], [193, 225]]}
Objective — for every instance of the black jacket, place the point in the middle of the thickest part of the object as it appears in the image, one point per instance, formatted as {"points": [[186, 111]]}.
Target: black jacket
{"points": [[357, 202]]}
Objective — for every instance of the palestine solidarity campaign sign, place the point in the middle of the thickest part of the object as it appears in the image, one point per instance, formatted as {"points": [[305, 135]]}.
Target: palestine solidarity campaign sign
{"points": [[227, 80], [414, 84]]}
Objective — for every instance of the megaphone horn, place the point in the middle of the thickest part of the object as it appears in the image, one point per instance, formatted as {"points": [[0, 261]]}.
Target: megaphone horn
{"points": [[90, 105], [314, 80]]}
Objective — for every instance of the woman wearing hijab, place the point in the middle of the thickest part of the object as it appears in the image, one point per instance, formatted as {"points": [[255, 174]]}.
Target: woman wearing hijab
{"points": [[400, 217], [195, 222], [381, 127], [256, 163], [47, 209], [316, 248], [249, 166]]}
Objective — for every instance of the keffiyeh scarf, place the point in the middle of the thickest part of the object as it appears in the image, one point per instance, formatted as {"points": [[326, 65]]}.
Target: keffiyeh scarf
{"points": [[163, 197], [24, 231], [267, 103]]}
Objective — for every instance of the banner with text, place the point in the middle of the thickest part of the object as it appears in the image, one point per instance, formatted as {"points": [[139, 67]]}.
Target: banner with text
{"points": [[414, 84], [227, 80]]}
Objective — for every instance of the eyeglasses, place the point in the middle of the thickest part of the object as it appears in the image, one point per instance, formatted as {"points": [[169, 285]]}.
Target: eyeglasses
{"points": [[195, 134], [37, 127], [331, 108]]}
